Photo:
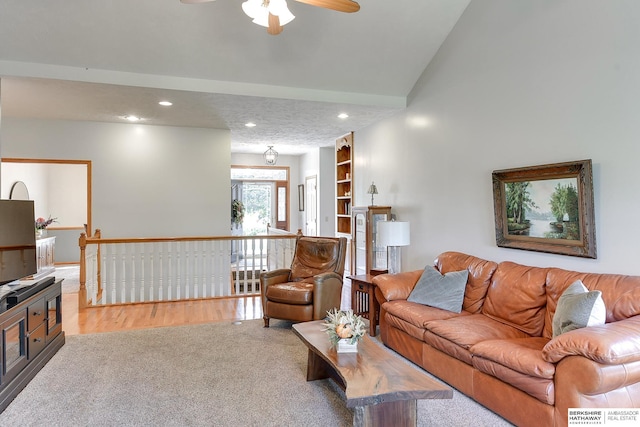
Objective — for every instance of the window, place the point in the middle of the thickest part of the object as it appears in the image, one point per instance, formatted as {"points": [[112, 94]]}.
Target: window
{"points": [[264, 192]]}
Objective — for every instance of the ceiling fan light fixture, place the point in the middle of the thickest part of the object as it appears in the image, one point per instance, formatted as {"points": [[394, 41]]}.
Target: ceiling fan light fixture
{"points": [[252, 8], [259, 11], [262, 19], [279, 8]]}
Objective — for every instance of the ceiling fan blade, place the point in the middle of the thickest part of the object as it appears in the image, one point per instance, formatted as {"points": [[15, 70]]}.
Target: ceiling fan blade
{"points": [[339, 5], [274, 25], [195, 1]]}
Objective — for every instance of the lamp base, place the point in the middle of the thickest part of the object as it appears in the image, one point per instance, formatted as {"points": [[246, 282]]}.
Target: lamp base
{"points": [[395, 259]]}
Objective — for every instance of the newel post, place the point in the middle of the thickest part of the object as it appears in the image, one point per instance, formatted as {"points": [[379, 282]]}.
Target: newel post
{"points": [[98, 235], [82, 294]]}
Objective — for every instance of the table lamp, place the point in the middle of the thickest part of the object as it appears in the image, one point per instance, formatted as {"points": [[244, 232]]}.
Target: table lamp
{"points": [[372, 190], [394, 235]]}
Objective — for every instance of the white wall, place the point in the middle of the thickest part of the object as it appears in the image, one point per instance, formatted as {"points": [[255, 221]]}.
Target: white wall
{"points": [[309, 166], [67, 194], [516, 84], [147, 180], [327, 192]]}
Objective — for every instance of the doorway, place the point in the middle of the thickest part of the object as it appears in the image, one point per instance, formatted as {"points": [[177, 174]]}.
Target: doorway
{"points": [[311, 204], [259, 203], [264, 193], [60, 189]]}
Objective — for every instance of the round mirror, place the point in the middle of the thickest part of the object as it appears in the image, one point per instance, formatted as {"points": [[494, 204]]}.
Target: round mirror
{"points": [[19, 191]]}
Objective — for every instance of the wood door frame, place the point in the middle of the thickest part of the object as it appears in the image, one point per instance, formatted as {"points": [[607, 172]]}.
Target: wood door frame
{"points": [[283, 225], [283, 184]]}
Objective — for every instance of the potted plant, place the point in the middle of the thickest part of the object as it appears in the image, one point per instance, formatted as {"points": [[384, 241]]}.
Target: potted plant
{"points": [[41, 226], [345, 329]]}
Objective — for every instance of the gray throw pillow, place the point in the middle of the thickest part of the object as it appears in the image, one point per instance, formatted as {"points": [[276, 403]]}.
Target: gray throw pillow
{"points": [[578, 308], [440, 291]]}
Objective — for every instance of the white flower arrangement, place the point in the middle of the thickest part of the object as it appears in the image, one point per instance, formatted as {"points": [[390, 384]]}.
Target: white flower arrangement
{"points": [[344, 324]]}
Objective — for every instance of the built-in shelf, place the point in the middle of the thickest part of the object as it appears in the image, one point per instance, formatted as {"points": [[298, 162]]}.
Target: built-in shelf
{"points": [[344, 178], [344, 191]]}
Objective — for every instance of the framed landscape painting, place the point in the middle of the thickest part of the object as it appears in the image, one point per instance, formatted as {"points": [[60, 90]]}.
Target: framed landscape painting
{"points": [[547, 208]]}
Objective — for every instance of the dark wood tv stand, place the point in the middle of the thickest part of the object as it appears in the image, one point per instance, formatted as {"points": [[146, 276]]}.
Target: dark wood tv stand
{"points": [[31, 333]]}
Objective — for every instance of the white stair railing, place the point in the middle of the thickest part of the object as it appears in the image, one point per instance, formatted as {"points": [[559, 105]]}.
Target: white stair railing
{"points": [[121, 271]]}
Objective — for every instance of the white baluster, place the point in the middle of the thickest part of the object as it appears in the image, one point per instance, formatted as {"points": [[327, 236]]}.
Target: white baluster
{"points": [[161, 275], [123, 276], [143, 272], [113, 279]]}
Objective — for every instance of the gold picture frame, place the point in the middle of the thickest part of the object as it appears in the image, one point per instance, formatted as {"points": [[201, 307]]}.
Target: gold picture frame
{"points": [[547, 208]]}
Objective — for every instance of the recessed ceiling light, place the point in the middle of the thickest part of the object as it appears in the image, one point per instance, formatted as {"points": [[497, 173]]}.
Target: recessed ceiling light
{"points": [[250, 125], [166, 103], [343, 115], [132, 118]]}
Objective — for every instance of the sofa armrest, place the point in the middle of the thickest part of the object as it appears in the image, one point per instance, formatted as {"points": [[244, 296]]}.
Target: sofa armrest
{"points": [[327, 293], [275, 276], [610, 344], [271, 278], [397, 286], [583, 383]]}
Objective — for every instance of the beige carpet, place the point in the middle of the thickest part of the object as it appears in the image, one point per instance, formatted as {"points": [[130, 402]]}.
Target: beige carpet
{"points": [[71, 276], [219, 374]]}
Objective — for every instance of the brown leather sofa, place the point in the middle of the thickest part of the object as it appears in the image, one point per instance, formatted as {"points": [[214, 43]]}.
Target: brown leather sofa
{"points": [[313, 284], [500, 349]]}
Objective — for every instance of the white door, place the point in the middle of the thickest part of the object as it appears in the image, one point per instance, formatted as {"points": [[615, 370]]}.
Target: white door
{"points": [[311, 206], [259, 206]]}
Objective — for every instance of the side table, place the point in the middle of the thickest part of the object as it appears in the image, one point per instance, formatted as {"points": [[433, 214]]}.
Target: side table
{"points": [[363, 300]]}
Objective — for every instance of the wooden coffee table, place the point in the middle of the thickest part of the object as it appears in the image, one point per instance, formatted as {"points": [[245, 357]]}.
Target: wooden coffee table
{"points": [[379, 384]]}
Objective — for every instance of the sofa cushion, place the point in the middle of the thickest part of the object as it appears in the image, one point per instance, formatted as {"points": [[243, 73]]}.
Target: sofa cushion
{"points": [[445, 291], [411, 317], [418, 314], [405, 326], [448, 347], [291, 293], [466, 331], [480, 272], [518, 362], [522, 355], [542, 389], [578, 308], [620, 293], [462, 332], [517, 297]]}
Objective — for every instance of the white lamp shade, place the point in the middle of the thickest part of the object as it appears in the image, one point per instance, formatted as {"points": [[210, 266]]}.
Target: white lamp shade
{"points": [[394, 233]]}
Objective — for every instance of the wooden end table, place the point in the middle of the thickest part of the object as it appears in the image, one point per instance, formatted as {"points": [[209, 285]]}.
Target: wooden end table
{"points": [[363, 299], [380, 385]]}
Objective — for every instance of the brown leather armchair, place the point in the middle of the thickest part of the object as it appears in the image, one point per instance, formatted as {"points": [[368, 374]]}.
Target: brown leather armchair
{"points": [[313, 284]]}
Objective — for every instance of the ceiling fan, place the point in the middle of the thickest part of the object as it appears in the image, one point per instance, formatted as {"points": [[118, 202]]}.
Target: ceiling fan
{"points": [[274, 14]]}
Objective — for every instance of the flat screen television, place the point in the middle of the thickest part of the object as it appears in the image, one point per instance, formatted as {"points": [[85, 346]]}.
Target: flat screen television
{"points": [[17, 240]]}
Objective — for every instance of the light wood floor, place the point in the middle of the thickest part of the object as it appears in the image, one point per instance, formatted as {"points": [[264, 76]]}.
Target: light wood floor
{"points": [[152, 315]]}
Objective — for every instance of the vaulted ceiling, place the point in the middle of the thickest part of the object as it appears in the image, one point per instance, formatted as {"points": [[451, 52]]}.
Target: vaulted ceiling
{"points": [[100, 60]]}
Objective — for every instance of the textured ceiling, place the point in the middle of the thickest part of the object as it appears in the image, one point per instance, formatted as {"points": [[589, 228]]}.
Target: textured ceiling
{"points": [[98, 60]]}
